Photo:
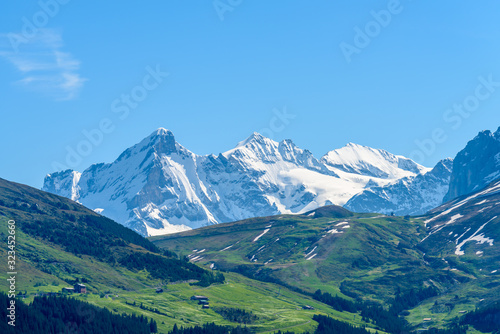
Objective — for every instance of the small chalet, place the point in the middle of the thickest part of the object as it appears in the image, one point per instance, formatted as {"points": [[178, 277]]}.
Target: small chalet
{"points": [[199, 298], [205, 306], [159, 290], [80, 288], [69, 290]]}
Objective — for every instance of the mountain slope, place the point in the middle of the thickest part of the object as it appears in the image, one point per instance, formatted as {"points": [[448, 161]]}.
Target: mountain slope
{"points": [[462, 237], [61, 238], [367, 161], [328, 248], [366, 256], [411, 195], [130, 189], [158, 186], [473, 168], [476, 165], [468, 227], [60, 242]]}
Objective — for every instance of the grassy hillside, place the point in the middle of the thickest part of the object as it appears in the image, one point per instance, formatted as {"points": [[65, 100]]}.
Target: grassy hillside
{"points": [[271, 267], [462, 237], [356, 256], [62, 238], [59, 242], [118, 289]]}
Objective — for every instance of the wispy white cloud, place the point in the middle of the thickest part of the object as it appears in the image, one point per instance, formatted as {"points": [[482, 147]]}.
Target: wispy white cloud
{"points": [[45, 68]]}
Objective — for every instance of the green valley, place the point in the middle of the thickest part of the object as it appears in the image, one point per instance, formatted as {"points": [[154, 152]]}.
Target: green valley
{"points": [[282, 272], [56, 245]]}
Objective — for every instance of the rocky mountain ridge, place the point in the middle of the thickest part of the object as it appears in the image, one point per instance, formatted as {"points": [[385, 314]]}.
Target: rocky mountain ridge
{"points": [[158, 186]]}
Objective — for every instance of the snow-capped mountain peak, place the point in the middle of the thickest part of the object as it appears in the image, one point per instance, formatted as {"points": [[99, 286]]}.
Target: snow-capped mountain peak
{"points": [[358, 159], [160, 142], [163, 141], [256, 147], [157, 186], [255, 138]]}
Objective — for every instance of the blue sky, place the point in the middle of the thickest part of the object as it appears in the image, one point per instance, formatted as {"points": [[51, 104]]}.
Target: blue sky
{"points": [[412, 77]]}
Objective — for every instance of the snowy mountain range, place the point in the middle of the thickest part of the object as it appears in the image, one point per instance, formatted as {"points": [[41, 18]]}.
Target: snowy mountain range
{"points": [[410, 195], [158, 186]]}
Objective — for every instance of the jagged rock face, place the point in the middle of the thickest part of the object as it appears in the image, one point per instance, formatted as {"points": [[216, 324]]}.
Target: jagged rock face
{"points": [[411, 195], [158, 186], [476, 165], [65, 184]]}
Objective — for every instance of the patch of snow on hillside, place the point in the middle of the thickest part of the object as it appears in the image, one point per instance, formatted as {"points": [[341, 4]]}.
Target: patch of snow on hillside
{"points": [[167, 229], [480, 238], [438, 228], [464, 201], [454, 219], [260, 235], [335, 231], [311, 257], [226, 248], [460, 237], [484, 209], [311, 251], [342, 223]]}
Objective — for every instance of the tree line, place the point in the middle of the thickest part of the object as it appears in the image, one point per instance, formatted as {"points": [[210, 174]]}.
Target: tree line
{"points": [[54, 315], [173, 269], [387, 320], [486, 319], [210, 328], [236, 315]]}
